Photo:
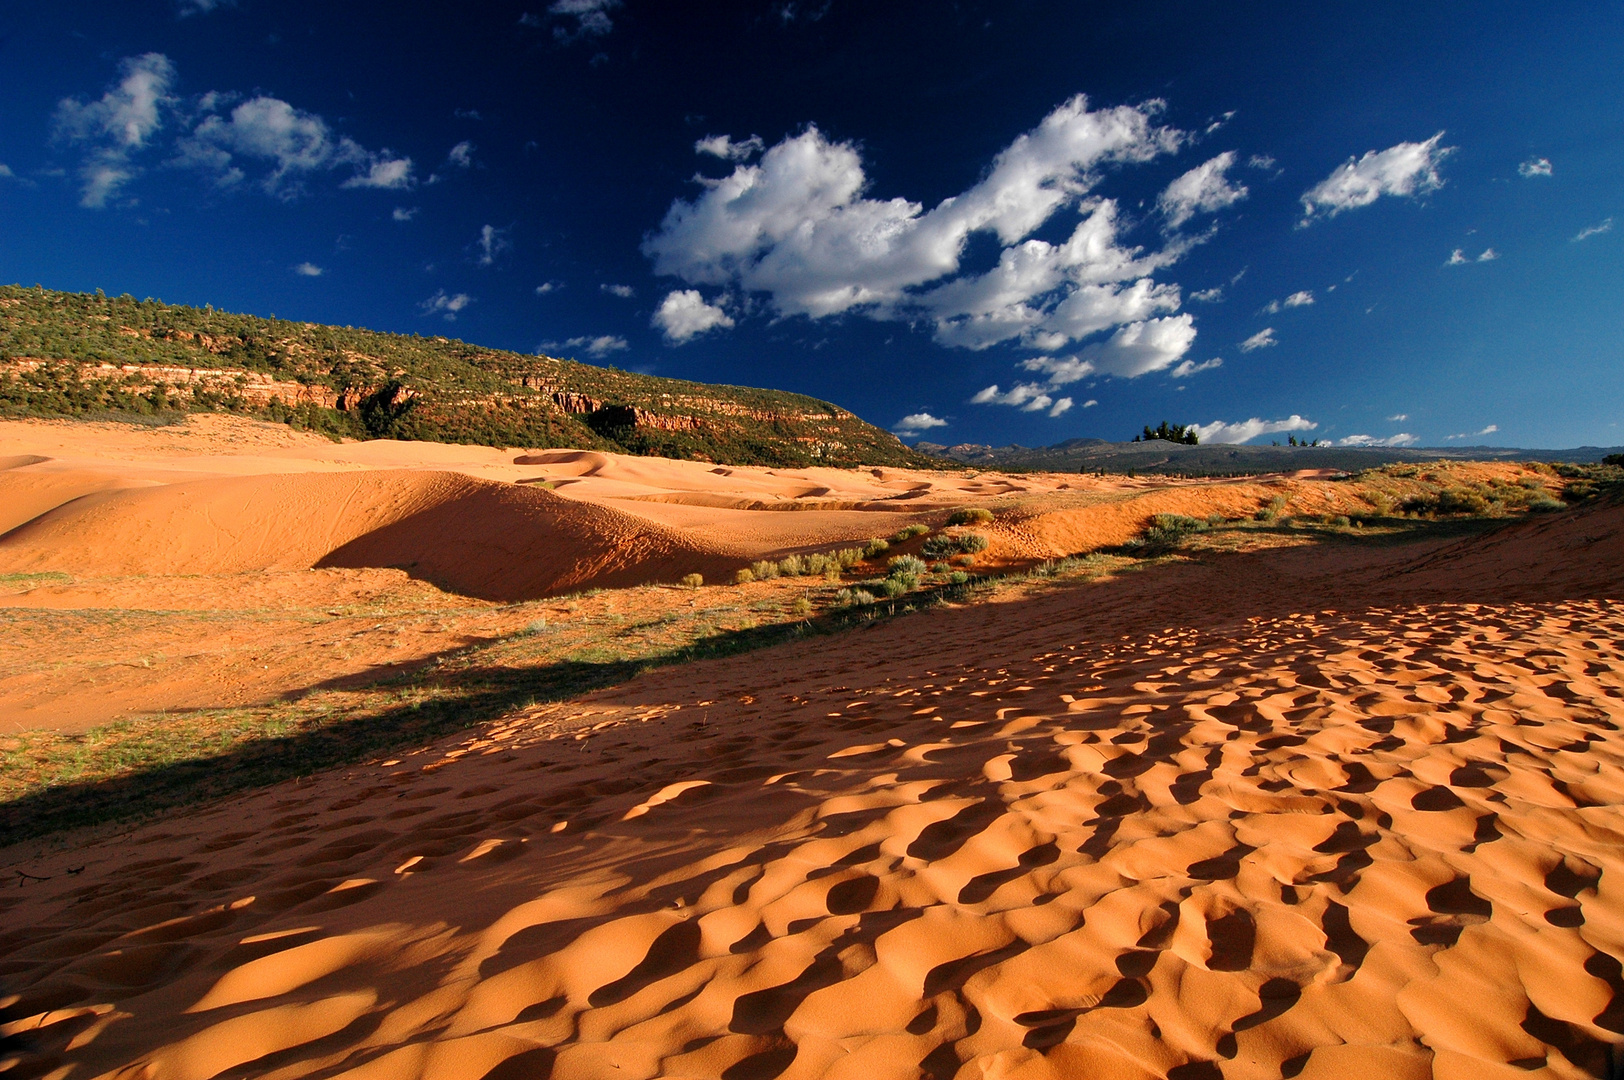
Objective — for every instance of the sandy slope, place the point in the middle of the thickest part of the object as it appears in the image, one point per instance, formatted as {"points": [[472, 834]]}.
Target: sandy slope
{"points": [[1317, 812]]}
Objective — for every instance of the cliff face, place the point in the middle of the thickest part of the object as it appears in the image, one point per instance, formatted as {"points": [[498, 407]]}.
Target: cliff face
{"points": [[76, 354]]}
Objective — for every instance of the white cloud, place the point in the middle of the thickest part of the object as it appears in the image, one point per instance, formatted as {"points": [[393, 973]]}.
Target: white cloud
{"points": [[591, 18], [914, 423], [1260, 340], [403, 214], [1401, 439], [1246, 430], [797, 226], [1190, 367], [492, 242], [461, 156], [201, 7], [441, 304], [1060, 406], [297, 143], [1535, 166], [724, 147], [1489, 255], [1296, 299], [1028, 397], [1142, 347], [598, 346], [1398, 418], [548, 286], [683, 315], [1588, 231], [625, 292], [1203, 189], [1214, 295], [117, 125], [1457, 258], [1260, 161], [1090, 403], [1490, 430], [1408, 169], [306, 269]]}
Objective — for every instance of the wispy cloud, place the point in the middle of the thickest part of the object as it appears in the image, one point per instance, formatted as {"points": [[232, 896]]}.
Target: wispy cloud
{"points": [[1490, 430], [625, 292], [1401, 439], [404, 213], [1535, 166], [1246, 430], [491, 244], [1203, 189], [683, 315], [1296, 299], [1214, 295], [1460, 258], [442, 304], [1028, 397], [461, 156], [590, 19], [183, 8], [914, 423], [1263, 339], [1190, 367], [1407, 169], [1605, 225], [602, 345], [117, 125], [548, 286], [306, 269], [726, 148]]}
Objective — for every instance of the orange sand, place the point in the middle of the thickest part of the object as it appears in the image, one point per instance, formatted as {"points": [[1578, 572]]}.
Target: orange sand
{"points": [[1324, 811]]}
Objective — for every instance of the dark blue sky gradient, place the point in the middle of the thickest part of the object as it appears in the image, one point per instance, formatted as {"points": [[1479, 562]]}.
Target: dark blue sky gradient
{"points": [[580, 147]]}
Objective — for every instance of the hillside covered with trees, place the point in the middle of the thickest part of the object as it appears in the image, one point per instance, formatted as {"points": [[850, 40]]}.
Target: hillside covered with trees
{"points": [[81, 355]]}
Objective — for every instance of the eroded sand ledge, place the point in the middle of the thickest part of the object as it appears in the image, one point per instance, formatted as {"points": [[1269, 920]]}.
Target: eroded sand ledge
{"points": [[1317, 812]]}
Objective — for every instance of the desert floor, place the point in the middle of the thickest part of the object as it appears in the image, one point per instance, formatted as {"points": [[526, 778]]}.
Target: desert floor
{"points": [[1294, 806]]}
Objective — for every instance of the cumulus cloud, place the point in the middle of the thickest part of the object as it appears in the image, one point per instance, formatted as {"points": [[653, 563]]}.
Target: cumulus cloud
{"points": [[1408, 169], [914, 423], [625, 292], [1190, 367], [461, 156], [306, 269], [797, 226], [591, 18], [1263, 339], [117, 125], [1535, 166], [548, 286], [441, 304], [1401, 439], [683, 315], [404, 214], [1028, 397], [1203, 189], [1246, 430], [598, 346], [727, 149], [1606, 225], [295, 143], [492, 242]]}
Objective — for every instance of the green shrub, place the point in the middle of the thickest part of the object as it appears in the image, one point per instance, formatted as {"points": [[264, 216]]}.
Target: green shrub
{"points": [[958, 577], [849, 557], [875, 548], [963, 560], [1165, 532], [693, 581], [744, 576], [908, 532], [801, 606], [1271, 509], [1216, 519], [853, 597], [904, 566], [817, 565], [764, 570], [791, 566], [1543, 504], [1578, 490], [943, 544], [894, 587], [970, 515]]}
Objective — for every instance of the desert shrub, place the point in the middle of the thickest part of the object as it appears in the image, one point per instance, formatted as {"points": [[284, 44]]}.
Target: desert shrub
{"points": [[905, 566], [743, 576], [848, 557], [1543, 504], [693, 581], [963, 560], [537, 627], [1164, 533], [1271, 509], [801, 606], [853, 597], [764, 570], [1216, 519], [958, 577], [970, 515], [1613, 459], [1455, 500], [964, 543], [1342, 520], [791, 566], [908, 532], [816, 565], [875, 548], [894, 587], [1578, 489]]}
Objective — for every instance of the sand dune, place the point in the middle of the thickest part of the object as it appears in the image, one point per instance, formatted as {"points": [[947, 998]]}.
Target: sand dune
{"points": [[1353, 814]]}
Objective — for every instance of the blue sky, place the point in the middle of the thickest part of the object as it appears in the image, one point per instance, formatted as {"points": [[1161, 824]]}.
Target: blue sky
{"points": [[999, 222]]}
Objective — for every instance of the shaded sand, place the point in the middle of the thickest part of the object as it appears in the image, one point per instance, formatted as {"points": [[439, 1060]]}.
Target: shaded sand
{"points": [[1322, 811]]}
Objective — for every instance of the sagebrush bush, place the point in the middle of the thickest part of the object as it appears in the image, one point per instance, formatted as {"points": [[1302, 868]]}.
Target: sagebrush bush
{"points": [[764, 570], [693, 581], [970, 515], [958, 577], [963, 560], [908, 532], [943, 544], [1164, 533], [905, 566], [894, 587], [1271, 509], [853, 597], [849, 557], [875, 548], [791, 566], [743, 576], [801, 606]]}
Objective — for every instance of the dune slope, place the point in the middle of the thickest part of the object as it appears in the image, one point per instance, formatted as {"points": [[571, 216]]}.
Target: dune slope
{"points": [[1319, 812]]}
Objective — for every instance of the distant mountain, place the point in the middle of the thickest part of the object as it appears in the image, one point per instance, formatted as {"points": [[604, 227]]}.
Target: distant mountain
{"points": [[1156, 456], [73, 354]]}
